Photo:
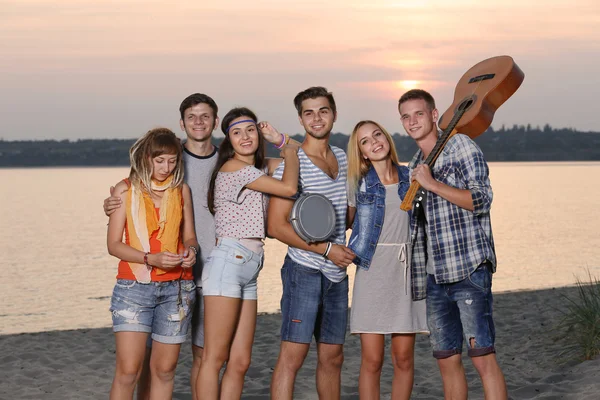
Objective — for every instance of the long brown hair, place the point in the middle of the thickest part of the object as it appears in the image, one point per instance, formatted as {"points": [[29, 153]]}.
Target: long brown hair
{"points": [[357, 164], [154, 143], [226, 151]]}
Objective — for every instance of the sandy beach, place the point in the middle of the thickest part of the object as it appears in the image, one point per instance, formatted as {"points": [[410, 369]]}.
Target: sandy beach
{"points": [[78, 364], [55, 336]]}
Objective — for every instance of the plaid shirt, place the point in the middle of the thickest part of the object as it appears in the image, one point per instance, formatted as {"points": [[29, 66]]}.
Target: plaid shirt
{"points": [[460, 239]]}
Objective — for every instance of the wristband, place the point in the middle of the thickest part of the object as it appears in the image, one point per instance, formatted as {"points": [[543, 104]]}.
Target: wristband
{"points": [[327, 249], [146, 261], [285, 139]]}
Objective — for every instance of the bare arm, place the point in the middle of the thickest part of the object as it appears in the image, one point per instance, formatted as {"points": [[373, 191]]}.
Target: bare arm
{"points": [[350, 214], [116, 226], [286, 187], [111, 203], [273, 136], [272, 164], [280, 228], [188, 229]]}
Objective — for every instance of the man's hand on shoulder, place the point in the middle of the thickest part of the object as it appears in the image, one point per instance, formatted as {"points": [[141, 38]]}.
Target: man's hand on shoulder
{"points": [[111, 203]]}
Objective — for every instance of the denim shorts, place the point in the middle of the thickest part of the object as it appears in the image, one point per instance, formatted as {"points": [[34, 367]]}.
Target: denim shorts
{"points": [[461, 310], [156, 307], [312, 305], [231, 270]]}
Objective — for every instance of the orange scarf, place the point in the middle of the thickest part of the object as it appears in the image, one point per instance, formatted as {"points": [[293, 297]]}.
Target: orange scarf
{"points": [[142, 222]]}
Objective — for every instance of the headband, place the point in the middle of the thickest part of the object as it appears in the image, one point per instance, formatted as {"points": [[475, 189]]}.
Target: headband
{"points": [[239, 122]]}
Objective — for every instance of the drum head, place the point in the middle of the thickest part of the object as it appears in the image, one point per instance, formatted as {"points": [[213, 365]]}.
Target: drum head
{"points": [[313, 217]]}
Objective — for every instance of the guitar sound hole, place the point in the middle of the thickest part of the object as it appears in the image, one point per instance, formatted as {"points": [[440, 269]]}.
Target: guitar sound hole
{"points": [[466, 104]]}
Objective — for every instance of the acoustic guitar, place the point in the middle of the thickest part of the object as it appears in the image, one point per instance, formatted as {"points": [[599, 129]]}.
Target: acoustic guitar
{"points": [[478, 94]]}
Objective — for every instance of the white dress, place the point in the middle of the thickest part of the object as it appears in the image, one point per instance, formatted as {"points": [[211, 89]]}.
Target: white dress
{"points": [[381, 297]]}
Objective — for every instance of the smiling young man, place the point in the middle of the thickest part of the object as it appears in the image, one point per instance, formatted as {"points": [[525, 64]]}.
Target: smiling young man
{"points": [[199, 119], [453, 250], [315, 286]]}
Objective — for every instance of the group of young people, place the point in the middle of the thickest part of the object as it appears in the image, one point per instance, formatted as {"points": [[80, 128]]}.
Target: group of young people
{"points": [[188, 225]]}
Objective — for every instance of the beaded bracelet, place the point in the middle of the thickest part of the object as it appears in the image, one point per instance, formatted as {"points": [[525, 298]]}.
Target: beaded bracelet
{"points": [[285, 139], [146, 261]]}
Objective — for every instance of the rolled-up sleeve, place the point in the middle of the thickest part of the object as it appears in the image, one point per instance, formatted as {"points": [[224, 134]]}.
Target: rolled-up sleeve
{"points": [[475, 172]]}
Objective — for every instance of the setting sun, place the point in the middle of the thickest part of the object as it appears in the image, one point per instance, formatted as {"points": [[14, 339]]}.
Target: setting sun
{"points": [[407, 85]]}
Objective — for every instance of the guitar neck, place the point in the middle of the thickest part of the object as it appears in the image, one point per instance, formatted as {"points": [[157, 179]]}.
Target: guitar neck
{"points": [[443, 139], [439, 146], [409, 198]]}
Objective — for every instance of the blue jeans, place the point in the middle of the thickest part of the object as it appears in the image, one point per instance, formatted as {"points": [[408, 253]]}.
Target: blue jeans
{"points": [[312, 305], [461, 310], [163, 309]]}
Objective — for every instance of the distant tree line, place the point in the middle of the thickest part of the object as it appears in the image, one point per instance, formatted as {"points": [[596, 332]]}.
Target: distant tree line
{"points": [[519, 143]]}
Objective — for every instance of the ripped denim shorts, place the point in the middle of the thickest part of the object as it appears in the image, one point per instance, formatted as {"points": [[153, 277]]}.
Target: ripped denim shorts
{"points": [[163, 309]]}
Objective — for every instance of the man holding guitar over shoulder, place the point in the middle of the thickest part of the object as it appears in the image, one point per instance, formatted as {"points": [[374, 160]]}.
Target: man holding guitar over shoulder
{"points": [[453, 249]]}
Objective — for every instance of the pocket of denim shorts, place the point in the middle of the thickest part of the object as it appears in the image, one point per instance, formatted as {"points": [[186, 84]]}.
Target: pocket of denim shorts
{"points": [[206, 268], [188, 285], [237, 257], [481, 278], [125, 283]]}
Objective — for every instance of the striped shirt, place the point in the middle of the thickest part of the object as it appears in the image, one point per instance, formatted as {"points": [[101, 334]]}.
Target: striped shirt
{"points": [[313, 180]]}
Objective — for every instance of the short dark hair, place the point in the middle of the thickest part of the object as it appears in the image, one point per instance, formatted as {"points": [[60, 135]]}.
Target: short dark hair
{"points": [[313, 93], [417, 94], [198, 98]]}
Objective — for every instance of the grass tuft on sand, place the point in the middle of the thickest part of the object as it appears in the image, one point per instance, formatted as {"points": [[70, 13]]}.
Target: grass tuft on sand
{"points": [[581, 321]]}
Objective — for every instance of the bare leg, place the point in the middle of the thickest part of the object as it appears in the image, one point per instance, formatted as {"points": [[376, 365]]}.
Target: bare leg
{"points": [[494, 386], [329, 370], [162, 369], [221, 318], [240, 353], [453, 377], [131, 348], [403, 357], [143, 385], [371, 361], [197, 360], [197, 335], [291, 357]]}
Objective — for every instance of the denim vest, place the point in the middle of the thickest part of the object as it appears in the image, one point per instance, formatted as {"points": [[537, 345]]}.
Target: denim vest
{"points": [[370, 212]]}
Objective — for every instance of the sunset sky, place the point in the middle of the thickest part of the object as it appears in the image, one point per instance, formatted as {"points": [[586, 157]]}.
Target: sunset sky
{"points": [[115, 68]]}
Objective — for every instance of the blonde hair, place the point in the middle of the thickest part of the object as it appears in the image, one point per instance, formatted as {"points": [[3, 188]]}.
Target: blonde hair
{"points": [[357, 164], [154, 143]]}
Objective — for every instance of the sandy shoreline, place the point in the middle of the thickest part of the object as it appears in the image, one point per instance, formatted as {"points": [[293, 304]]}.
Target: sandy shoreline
{"points": [[61, 277], [79, 364]]}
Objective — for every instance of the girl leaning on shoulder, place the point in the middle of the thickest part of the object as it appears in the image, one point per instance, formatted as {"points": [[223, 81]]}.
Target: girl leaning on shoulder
{"points": [[382, 301]]}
